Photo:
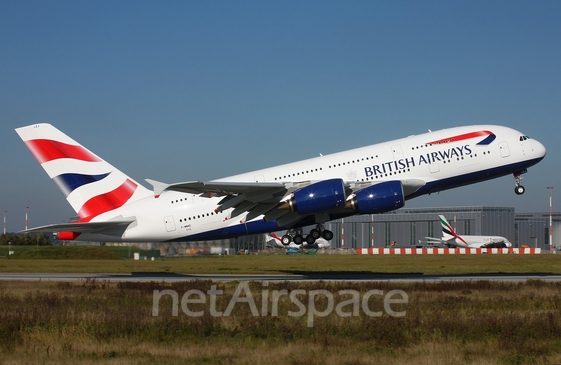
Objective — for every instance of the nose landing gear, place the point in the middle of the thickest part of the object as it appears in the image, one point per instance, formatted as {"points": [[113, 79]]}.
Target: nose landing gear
{"points": [[518, 189]]}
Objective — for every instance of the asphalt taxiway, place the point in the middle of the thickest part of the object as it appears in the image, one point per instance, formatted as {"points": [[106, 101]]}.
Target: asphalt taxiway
{"points": [[307, 276]]}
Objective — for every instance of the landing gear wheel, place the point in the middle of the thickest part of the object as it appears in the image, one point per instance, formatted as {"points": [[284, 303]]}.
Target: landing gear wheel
{"points": [[298, 239], [315, 233], [286, 239], [519, 189], [327, 235], [310, 240]]}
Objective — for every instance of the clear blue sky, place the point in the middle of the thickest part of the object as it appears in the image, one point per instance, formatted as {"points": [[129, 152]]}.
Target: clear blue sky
{"points": [[198, 90]]}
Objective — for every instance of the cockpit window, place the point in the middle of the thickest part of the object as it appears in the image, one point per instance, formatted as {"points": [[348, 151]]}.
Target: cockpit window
{"points": [[523, 138]]}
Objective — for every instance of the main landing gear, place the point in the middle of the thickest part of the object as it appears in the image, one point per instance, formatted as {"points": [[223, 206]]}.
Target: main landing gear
{"points": [[518, 189], [295, 235]]}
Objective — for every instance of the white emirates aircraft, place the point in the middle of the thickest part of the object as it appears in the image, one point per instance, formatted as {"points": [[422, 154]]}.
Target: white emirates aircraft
{"points": [[374, 179], [451, 239]]}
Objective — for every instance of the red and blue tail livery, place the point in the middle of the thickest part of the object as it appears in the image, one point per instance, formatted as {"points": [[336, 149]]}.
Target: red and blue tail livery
{"points": [[91, 185], [367, 180]]}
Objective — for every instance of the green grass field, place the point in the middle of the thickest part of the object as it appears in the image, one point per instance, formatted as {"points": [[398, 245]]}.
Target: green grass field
{"points": [[74, 252], [95, 260]]}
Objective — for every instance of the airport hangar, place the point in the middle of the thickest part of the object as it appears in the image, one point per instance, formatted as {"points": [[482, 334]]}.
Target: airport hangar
{"points": [[410, 227]]}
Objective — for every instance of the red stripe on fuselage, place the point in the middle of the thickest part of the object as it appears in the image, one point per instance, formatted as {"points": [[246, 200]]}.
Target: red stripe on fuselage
{"points": [[106, 202], [461, 137], [46, 150]]}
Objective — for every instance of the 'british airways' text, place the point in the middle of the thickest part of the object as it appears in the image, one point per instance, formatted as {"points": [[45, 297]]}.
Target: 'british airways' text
{"points": [[406, 163]]}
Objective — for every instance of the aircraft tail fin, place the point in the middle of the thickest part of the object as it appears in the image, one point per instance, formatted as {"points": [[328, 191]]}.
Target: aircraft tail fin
{"points": [[448, 232], [90, 184]]}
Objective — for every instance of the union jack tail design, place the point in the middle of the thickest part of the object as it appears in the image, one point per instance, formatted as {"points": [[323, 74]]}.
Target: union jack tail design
{"points": [[91, 185]]}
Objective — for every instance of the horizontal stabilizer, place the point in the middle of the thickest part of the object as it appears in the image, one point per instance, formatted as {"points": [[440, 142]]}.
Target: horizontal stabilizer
{"points": [[441, 240], [432, 239], [90, 227], [157, 186]]}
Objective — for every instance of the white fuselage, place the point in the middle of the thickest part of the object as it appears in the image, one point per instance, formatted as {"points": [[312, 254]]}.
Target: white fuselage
{"points": [[478, 241], [445, 164]]}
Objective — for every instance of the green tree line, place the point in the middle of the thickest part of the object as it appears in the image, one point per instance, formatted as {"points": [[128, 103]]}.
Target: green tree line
{"points": [[25, 239]]}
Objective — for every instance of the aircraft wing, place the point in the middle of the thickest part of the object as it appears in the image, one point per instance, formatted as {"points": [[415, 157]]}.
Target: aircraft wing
{"points": [[443, 241], [217, 188], [255, 198], [260, 198], [90, 227], [435, 240]]}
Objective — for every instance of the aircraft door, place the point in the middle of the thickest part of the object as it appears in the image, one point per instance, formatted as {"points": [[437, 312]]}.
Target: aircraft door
{"points": [[434, 167], [170, 224], [503, 147]]}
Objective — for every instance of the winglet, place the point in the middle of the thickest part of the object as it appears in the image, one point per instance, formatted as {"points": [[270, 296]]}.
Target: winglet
{"points": [[157, 186]]}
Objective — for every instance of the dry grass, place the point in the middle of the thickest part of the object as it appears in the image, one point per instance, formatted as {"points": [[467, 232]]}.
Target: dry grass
{"points": [[446, 323], [232, 352]]}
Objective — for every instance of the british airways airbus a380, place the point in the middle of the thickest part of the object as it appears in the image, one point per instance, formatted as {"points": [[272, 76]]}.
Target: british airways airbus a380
{"points": [[374, 179]]}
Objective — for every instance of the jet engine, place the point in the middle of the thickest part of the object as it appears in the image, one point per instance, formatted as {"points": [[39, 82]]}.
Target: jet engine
{"points": [[320, 197], [378, 198]]}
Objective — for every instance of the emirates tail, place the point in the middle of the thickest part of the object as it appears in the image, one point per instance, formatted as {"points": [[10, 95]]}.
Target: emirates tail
{"points": [[448, 232]]}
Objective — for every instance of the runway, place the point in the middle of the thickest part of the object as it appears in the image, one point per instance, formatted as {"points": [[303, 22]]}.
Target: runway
{"points": [[307, 276]]}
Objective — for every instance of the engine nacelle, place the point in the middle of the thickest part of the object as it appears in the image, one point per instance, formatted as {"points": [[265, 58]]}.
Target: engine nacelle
{"points": [[378, 198], [320, 197]]}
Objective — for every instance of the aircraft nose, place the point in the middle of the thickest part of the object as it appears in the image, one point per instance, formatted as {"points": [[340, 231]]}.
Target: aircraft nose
{"points": [[539, 149]]}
